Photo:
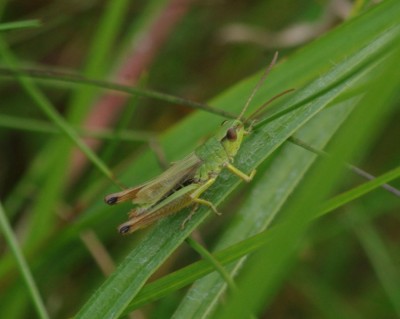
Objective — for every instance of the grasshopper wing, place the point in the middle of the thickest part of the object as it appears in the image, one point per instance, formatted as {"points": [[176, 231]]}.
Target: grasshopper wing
{"points": [[167, 206], [151, 192]]}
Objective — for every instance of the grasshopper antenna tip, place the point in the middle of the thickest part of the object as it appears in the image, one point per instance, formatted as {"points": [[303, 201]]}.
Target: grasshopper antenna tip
{"points": [[268, 69]]}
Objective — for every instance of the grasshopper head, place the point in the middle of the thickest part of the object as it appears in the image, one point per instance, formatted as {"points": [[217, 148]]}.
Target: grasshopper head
{"points": [[231, 135]]}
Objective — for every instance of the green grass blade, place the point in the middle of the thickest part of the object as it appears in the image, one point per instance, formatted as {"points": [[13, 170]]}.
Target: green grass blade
{"points": [[37, 126], [22, 265], [379, 256], [210, 258], [55, 159], [44, 104], [19, 25], [356, 192], [71, 80]]}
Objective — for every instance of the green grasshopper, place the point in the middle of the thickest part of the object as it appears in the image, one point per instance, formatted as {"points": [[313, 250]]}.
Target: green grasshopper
{"points": [[183, 183]]}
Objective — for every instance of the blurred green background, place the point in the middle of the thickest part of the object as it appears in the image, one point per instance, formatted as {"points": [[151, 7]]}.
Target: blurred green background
{"points": [[347, 264]]}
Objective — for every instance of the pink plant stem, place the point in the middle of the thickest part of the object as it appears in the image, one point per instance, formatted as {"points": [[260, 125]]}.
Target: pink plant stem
{"points": [[142, 53]]}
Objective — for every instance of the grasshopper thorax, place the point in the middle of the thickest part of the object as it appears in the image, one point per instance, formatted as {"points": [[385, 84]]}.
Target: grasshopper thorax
{"points": [[231, 135]]}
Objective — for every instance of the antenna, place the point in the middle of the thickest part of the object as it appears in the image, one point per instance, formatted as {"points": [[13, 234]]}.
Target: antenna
{"points": [[260, 81], [262, 107]]}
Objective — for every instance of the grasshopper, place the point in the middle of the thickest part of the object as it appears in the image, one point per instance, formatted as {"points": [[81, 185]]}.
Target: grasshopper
{"points": [[183, 183]]}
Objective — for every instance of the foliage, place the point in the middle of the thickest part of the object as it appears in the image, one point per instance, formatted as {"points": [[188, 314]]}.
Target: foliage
{"points": [[275, 246]]}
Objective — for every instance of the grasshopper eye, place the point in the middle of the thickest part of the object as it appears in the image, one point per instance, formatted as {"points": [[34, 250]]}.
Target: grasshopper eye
{"points": [[231, 134]]}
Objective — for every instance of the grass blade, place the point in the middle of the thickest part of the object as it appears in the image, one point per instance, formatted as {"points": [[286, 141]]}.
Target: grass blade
{"points": [[22, 265]]}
